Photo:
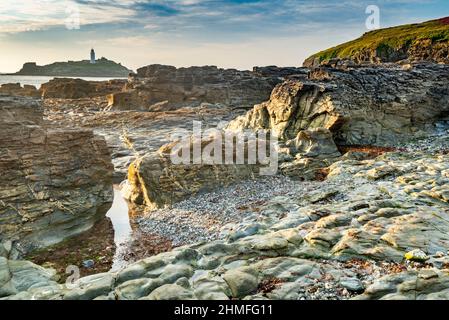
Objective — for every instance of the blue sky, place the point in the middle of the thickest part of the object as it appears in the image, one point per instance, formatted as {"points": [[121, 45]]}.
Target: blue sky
{"points": [[227, 33]]}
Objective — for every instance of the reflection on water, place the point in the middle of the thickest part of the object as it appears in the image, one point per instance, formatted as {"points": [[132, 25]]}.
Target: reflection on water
{"points": [[37, 81], [122, 227]]}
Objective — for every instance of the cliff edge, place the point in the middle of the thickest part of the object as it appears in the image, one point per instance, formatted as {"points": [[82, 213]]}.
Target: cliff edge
{"points": [[428, 41]]}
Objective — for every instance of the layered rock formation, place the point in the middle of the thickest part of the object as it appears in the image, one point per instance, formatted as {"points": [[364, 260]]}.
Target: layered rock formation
{"points": [[156, 181], [366, 105], [280, 72], [67, 88], [305, 156], [56, 182], [335, 240], [174, 87]]}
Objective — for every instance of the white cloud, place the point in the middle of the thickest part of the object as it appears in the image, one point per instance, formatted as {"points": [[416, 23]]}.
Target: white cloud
{"points": [[26, 15]]}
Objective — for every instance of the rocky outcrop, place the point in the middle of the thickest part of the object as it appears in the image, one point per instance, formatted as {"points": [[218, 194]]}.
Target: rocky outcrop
{"points": [[369, 105], [56, 182], [156, 84], [306, 155], [101, 68], [156, 181], [20, 110], [280, 72], [67, 88], [15, 89], [425, 284], [19, 276]]}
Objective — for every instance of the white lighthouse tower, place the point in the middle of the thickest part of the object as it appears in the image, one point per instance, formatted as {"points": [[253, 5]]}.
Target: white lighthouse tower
{"points": [[92, 56]]}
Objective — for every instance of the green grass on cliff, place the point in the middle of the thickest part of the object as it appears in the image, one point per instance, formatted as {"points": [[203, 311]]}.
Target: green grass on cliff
{"points": [[395, 37]]}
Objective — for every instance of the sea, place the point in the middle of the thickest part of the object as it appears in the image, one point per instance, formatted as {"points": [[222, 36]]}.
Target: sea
{"points": [[37, 81]]}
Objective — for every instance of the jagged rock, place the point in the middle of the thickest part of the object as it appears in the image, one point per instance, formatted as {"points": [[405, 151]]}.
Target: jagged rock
{"points": [[281, 72], [314, 143], [372, 105], [67, 88], [155, 180], [192, 86], [15, 89], [56, 182]]}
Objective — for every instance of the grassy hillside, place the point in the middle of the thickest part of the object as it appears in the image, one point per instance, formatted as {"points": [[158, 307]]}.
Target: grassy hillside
{"points": [[389, 40]]}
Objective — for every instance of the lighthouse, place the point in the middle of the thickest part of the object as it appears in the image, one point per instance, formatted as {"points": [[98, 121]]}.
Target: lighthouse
{"points": [[92, 56]]}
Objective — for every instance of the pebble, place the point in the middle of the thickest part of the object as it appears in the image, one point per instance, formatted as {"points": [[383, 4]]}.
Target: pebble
{"points": [[88, 263], [416, 255], [201, 217]]}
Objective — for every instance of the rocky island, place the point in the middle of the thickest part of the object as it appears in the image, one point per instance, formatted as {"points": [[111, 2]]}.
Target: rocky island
{"points": [[85, 68], [358, 208]]}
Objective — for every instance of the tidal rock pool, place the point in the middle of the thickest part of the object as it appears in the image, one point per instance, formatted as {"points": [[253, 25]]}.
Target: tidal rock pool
{"points": [[119, 215]]}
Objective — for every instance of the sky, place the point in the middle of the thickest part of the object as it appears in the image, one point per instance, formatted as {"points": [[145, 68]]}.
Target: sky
{"points": [[227, 33]]}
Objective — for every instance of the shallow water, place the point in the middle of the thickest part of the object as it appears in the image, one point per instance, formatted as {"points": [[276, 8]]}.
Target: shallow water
{"points": [[119, 215], [37, 81]]}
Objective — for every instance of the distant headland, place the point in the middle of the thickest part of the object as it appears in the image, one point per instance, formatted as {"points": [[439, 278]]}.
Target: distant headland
{"points": [[85, 68]]}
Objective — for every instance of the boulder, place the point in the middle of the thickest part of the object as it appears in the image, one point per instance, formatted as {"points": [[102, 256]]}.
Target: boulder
{"points": [[56, 182], [314, 143], [155, 180], [67, 88], [242, 281]]}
